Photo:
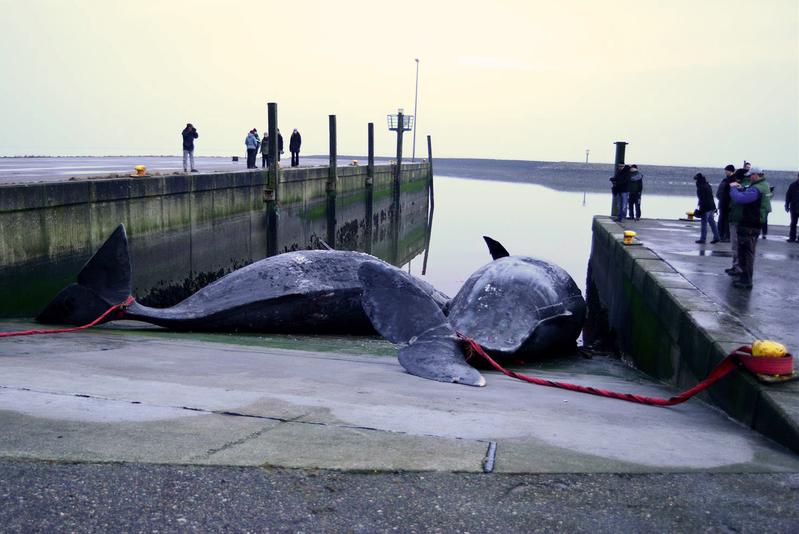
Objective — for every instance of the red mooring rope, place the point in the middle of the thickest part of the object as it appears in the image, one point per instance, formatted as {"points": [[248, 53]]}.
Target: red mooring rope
{"points": [[720, 371], [116, 307]]}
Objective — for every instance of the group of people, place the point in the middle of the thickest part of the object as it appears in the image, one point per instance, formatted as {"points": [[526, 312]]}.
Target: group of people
{"points": [[253, 143], [627, 186], [744, 202], [744, 198]]}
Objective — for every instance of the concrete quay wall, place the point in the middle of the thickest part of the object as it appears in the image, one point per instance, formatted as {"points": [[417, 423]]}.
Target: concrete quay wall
{"points": [[189, 227], [671, 330]]}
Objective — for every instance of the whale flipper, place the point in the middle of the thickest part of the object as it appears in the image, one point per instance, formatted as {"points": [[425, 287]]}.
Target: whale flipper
{"points": [[105, 280], [403, 314], [495, 248]]}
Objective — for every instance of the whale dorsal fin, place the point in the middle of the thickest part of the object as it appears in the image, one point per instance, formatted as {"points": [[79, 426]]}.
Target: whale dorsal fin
{"points": [[107, 273], [495, 248]]}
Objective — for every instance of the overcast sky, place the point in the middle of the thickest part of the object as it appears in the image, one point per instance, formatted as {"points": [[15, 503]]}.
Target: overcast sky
{"points": [[685, 82]]}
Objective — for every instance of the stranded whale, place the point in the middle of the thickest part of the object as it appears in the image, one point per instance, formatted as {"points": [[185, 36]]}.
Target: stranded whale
{"points": [[515, 305], [314, 291]]}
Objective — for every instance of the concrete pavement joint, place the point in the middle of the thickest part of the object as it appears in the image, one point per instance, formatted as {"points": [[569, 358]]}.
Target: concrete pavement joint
{"points": [[229, 413]]}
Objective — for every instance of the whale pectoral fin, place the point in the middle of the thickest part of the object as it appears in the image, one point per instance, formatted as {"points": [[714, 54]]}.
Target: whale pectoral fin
{"points": [[495, 248], [437, 355], [398, 309]]}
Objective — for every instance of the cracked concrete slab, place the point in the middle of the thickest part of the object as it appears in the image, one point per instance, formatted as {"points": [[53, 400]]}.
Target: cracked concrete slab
{"points": [[114, 396]]}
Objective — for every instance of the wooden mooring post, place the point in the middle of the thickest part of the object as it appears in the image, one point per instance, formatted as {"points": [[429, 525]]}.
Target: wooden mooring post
{"points": [[370, 187], [273, 182], [332, 183]]}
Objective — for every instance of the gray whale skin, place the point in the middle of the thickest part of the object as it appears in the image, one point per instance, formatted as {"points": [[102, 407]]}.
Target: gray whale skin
{"points": [[313, 291], [514, 306]]}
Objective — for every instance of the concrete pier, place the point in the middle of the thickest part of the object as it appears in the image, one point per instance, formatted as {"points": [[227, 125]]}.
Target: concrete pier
{"points": [[185, 227], [671, 309]]}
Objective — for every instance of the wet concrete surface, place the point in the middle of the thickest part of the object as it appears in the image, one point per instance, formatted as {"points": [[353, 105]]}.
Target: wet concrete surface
{"points": [[770, 310], [112, 395]]}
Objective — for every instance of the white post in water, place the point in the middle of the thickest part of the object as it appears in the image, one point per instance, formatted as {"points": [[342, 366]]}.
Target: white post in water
{"points": [[415, 100], [587, 151]]}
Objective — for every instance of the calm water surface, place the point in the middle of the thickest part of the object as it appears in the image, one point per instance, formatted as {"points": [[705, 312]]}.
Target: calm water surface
{"points": [[528, 219]]}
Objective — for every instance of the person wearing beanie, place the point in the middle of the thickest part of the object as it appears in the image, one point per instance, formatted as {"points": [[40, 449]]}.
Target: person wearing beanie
{"points": [[755, 205], [723, 196], [740, 177], [620, 187], [295, 141], [705, 209]]}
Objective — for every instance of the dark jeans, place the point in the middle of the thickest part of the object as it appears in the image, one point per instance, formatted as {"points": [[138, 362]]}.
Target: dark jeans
{"points": [[634, 204], [724, 224], [707, 219], [251, 158], [765, 227], [263, 161], [747, 243], [620, 205], [295, 159], [792, 229]]}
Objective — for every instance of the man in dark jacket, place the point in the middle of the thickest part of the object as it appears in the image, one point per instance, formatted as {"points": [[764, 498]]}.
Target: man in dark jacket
{"points": [[620, 187], [723, 196], [636, 189], [706, 208], [189, 134], [755, 206], [294, 147], [792, 207]]}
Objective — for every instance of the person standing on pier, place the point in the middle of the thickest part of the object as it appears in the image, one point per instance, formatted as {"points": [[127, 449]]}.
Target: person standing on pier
{"points": [[792, 207], [265, 151], [755, 204], [189, 134], [723, 196], [251, 142], [621, 191], [706, 208], [294, 147], [740, 177], [636, 189]]}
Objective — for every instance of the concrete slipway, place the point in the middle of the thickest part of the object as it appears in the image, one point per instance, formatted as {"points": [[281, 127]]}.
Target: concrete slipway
{"points": [[131, 395]]}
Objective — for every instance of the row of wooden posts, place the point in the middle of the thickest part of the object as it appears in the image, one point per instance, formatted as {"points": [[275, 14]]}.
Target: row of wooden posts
{"points": [[273, 178]]}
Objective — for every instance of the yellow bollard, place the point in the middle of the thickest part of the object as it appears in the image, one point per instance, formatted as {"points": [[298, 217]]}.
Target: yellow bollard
{"points": [[689, 215], [764, 348], [141, 170], [628, 237]]}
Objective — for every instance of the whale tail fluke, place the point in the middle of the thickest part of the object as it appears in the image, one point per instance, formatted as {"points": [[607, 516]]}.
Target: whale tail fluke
{"points": [[404, 314], [105, 280]]}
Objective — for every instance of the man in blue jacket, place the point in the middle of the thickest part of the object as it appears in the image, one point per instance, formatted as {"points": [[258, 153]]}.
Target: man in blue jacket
{"points": [[755, 206]]}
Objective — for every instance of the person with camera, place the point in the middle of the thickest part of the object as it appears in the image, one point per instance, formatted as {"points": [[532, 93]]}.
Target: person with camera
{"points": [[189, 134], [755, 205]]}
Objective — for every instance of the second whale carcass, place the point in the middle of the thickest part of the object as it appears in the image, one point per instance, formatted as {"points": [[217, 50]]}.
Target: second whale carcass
{"points": [[312, 292], [514, 306]]}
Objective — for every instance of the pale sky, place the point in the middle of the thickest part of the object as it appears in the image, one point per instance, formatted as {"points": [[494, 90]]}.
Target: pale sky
{"points": [[685, 82]]}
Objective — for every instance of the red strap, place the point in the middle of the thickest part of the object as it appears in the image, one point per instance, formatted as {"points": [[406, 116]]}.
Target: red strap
{"points": [[720, 371], [121, 307]]}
